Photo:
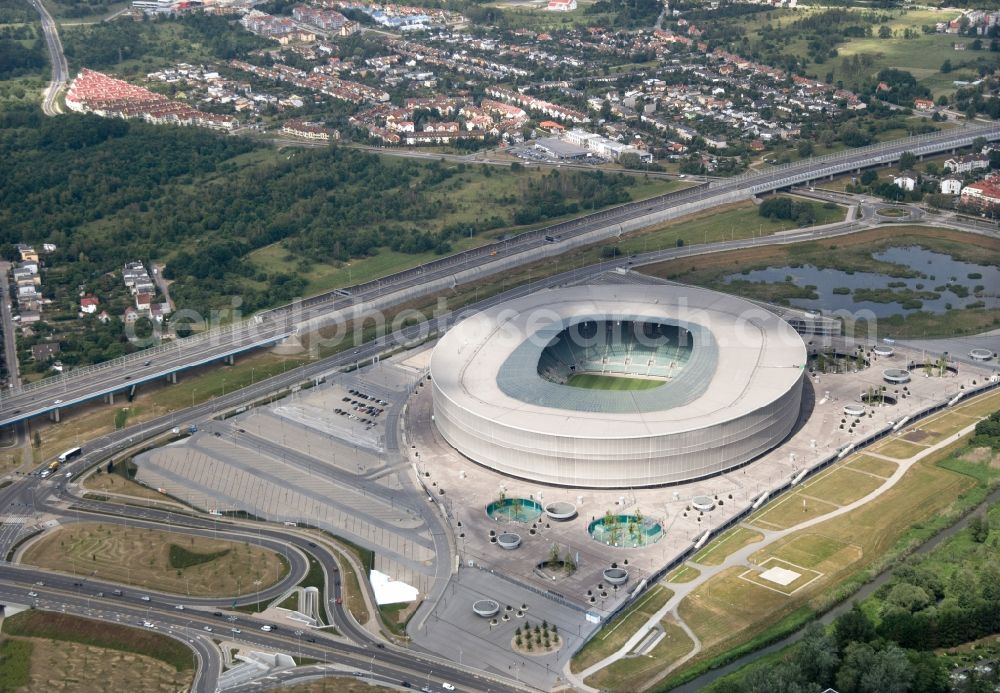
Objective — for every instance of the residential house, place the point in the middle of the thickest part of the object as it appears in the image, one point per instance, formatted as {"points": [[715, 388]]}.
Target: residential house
{"points": [[951, 186], [27, 252], [905, 181], [981, 194], [88, 304], [44, 352], [967, 163]]}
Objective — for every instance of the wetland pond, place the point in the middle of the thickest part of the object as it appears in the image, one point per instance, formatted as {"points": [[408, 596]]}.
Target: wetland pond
{"points": [[926, 280]]}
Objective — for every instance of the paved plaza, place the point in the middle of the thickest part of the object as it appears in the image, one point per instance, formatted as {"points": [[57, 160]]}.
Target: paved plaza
{"points": [[297, 461]]}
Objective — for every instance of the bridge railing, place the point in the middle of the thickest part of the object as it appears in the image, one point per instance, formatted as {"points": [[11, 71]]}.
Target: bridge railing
{"points": [[216, 333], [970, 132]]}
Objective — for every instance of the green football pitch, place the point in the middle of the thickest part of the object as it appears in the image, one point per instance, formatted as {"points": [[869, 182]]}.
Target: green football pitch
{"points": [[591, 381]]}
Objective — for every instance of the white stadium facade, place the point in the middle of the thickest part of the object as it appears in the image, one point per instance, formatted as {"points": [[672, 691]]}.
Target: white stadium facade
{"points": [[724, 385]]}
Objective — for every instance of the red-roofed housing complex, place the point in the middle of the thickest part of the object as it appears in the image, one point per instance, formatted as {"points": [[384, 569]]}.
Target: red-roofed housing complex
{"points": [[95, 92]]}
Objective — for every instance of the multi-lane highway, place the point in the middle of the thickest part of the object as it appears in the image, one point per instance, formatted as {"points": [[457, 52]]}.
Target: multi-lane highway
{"points": [[60, 70], [272, 326]]}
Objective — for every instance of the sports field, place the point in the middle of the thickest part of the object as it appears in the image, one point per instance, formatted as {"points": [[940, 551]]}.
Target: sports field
{"points": [[593, 381]]}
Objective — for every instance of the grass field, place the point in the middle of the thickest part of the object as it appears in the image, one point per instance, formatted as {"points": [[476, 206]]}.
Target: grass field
{"points": [[396, 616], [921, 55], [616, 632], [142, 557], [728, 222], [684, 573], [730, 541], [111, 636], [71, 666], [728, 610], [898, 448], [636, 673], [15, 663], [873, 465], [115, 483], [595, 381]]}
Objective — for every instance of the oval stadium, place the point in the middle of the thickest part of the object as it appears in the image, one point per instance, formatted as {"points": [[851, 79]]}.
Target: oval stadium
{"points": [[618, 386]]}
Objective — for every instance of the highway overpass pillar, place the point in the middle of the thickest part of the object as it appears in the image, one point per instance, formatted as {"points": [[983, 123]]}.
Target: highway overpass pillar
{"points": [[173, 377], [230, 360], [54, 415], [109, 398]]}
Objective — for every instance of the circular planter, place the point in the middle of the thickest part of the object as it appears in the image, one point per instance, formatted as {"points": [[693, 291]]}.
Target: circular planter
{"points": [[509, 541], [882, 350], [854, 410], [702, 503], [616, 576], [560, 511], [980, 354], [522, 510], [486, 608], [625, 531], [896, 376]]}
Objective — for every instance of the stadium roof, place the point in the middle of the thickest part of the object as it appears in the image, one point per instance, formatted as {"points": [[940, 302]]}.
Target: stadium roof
{"points": [[518, 376], [744, 358]]}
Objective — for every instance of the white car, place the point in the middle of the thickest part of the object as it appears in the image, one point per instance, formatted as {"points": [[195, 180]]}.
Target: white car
{"points": [[148, 624], [266, 629], [207, 629], [447, 686], [32, 594], [179, 607], [145, 597]]}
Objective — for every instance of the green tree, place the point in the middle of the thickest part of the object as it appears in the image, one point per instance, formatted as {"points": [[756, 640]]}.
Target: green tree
{"points": [[884, 32], [853, 626], [867, 670], [907, 160], [979, 528], [816, 654]]}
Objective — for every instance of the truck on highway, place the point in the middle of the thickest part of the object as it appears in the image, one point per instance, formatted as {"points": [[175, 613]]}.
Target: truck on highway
{"points": [[68, 455], [53, 466]]}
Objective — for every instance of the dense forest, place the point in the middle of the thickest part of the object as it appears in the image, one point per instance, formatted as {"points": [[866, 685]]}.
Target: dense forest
{"points": [[108, 191], [188, 38], [17, 12], [17, 60]]}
